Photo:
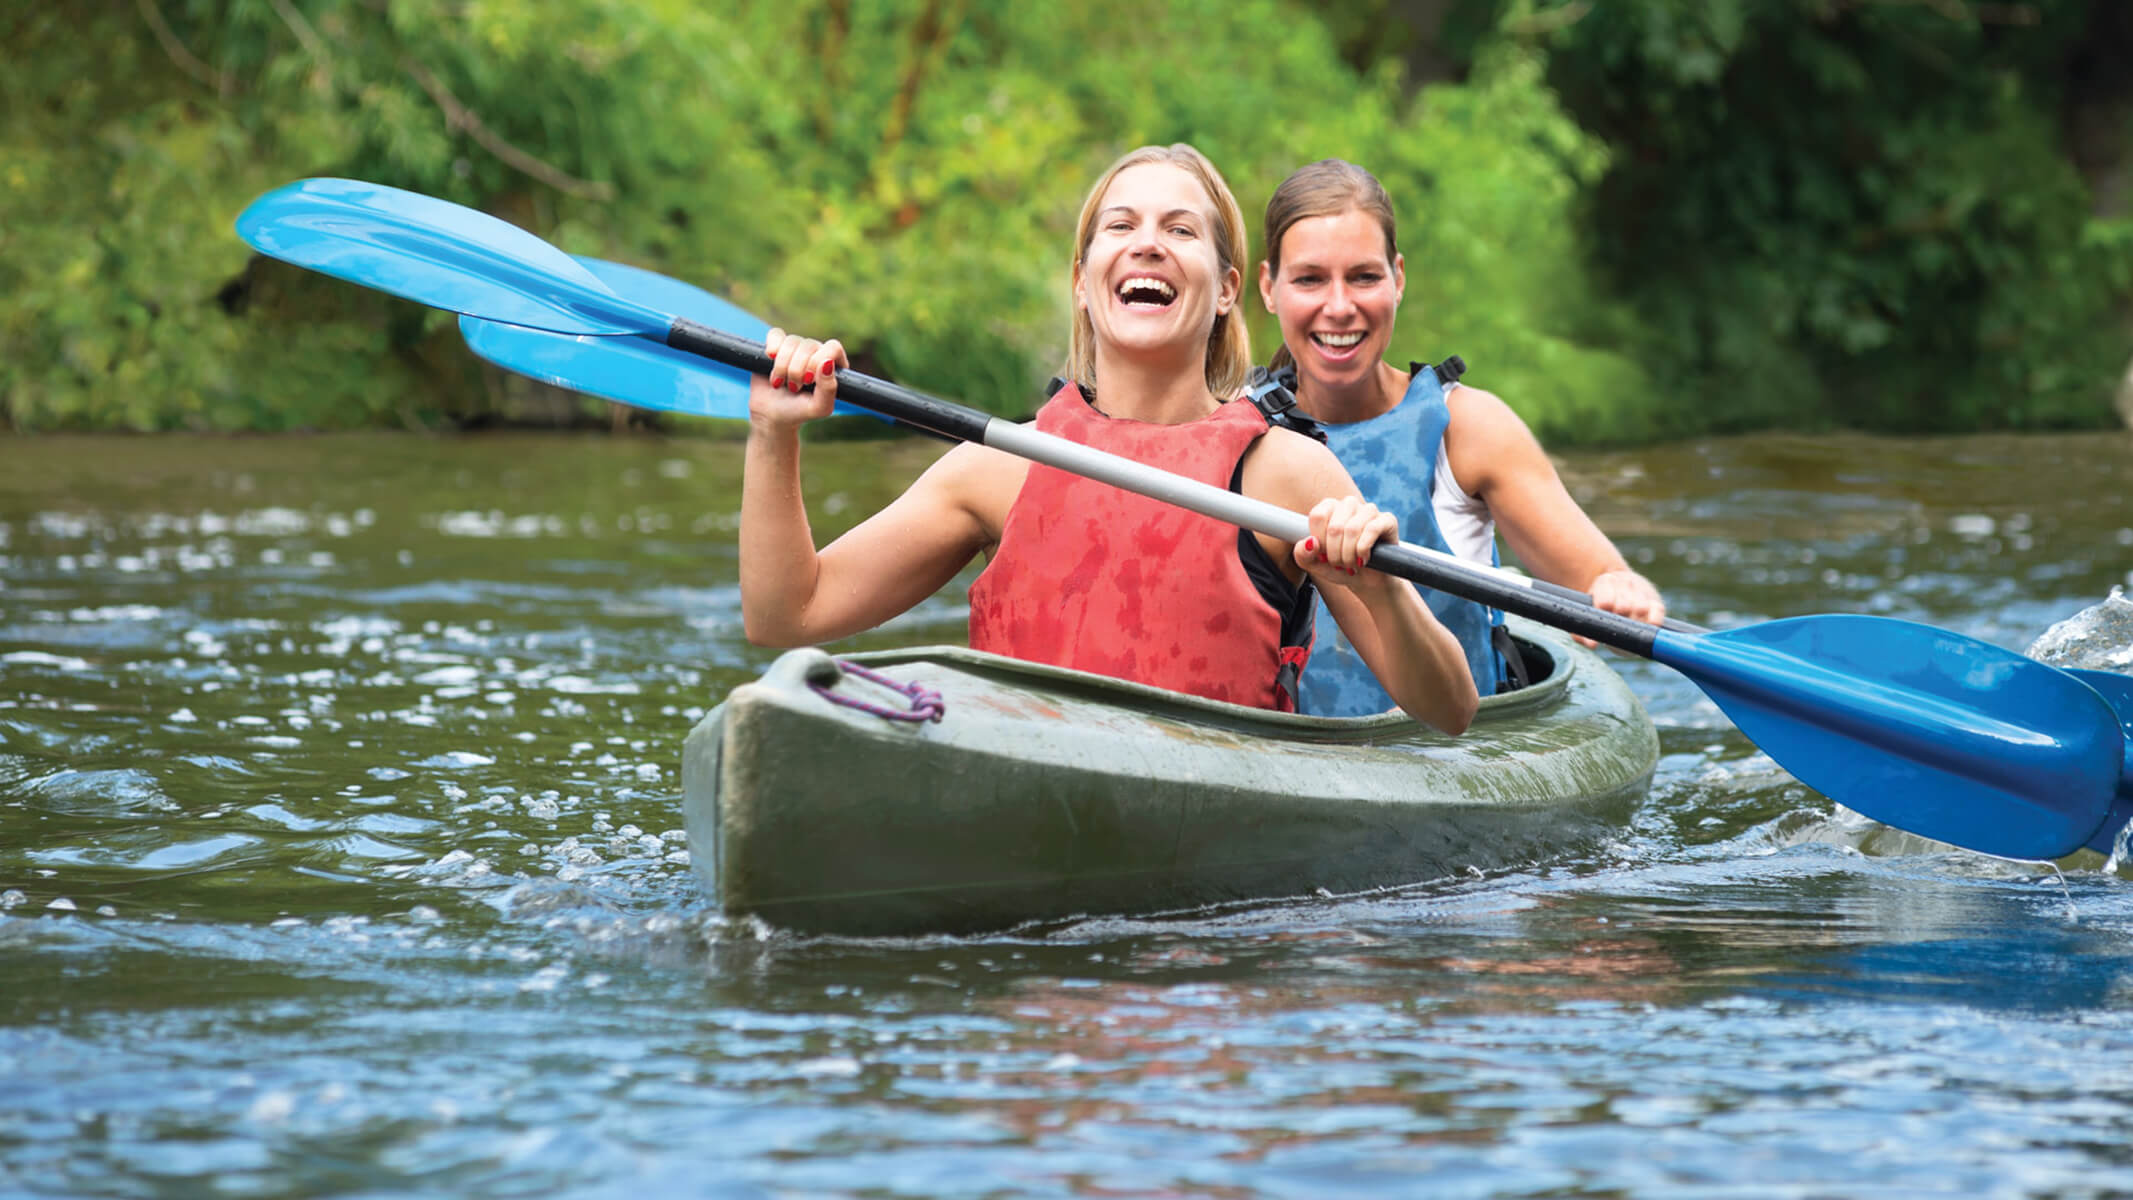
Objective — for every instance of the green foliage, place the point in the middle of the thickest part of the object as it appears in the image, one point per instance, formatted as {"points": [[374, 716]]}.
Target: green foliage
{"points": [[1485, 176], [1851, 214], [942, 242], [1797, 211], [905, 175]]}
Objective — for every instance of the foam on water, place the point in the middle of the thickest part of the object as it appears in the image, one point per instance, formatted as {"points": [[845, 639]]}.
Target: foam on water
{"points": [[2098, 638]]}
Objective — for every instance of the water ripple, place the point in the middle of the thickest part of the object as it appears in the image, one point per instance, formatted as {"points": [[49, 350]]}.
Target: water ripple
{"points": [[339, 854]]}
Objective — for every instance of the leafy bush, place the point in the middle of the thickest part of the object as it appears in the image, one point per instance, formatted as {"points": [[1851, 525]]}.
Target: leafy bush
{"points": [[1853, 214], [1765, 212], [905, 175]]}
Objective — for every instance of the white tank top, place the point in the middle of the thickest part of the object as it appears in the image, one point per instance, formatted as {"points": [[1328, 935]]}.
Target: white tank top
{"points": [[1465, 521]]}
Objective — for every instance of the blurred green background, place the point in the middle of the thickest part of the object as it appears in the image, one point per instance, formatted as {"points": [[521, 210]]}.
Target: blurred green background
{"points": [[1636, 219]]}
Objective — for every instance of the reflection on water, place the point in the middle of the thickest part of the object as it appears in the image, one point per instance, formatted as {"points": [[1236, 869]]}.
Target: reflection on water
{"points": [[339, 852]]}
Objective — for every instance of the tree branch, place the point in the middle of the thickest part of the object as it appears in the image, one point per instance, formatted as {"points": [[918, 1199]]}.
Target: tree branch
{"points": [[312, 43], [1965, 12], [1549, 21], [929, 40], [459, 118], [827, 97], [2007, 14], [185, 59]]}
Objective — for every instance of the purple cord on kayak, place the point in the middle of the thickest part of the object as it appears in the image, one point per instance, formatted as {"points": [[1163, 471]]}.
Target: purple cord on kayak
{"points": [[926, 704]]}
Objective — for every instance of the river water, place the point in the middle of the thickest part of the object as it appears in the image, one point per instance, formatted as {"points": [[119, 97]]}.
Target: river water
{"points": [[340, 855]]}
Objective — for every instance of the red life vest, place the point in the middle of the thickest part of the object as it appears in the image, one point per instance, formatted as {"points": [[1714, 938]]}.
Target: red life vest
{"points": [[1099, 579]]}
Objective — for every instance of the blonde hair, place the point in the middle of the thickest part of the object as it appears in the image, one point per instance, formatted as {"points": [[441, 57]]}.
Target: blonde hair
{"points": [[1326, 188], [1229, 346]]}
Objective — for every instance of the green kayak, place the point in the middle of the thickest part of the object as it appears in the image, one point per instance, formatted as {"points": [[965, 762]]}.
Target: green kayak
{"points": [[1042, 794]]}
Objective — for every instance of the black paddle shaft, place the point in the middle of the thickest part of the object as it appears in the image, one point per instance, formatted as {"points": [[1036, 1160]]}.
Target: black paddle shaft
{"points": [[1546, 603], [1567, 610], [879, 395]]}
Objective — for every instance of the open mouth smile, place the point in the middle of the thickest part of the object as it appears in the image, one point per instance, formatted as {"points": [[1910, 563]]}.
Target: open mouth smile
{"points": [[1146, 291]]}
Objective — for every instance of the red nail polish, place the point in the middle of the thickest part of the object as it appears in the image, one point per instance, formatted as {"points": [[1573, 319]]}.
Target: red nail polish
{"points": [[1310, 545], [827, 368], [807, 379]]}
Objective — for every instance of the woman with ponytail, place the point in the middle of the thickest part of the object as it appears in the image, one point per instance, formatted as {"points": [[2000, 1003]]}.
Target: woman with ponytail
{"points": [[1454, 463]]}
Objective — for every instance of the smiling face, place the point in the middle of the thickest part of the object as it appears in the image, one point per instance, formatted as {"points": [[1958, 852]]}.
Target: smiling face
{"points": [[1151, 280], [1336, 294]]}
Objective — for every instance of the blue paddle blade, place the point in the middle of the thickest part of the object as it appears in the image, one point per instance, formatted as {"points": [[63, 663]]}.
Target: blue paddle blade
{"points": [[1942, 735], [634, 371], [2117, 691], [437, 253]]}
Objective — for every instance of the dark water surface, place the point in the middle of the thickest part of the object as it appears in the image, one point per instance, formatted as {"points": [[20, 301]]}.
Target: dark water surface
{"points": [[340, 855]]}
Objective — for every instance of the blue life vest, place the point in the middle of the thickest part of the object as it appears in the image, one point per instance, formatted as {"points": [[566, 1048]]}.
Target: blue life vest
{"points": [[1393, 460]]}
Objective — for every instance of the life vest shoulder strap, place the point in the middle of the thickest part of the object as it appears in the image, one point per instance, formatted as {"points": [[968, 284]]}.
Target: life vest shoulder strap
{"points": [[1274, 392], [1274, 395]]}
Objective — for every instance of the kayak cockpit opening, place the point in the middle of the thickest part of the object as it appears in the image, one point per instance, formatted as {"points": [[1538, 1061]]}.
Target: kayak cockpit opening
{"points": [[1525, 662]]}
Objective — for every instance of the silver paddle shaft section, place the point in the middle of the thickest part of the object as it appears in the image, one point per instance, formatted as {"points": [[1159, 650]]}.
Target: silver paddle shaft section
{"points": [[1543, 602]]}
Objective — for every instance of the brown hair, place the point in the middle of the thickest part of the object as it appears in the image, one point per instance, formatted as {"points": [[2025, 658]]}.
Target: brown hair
{"points": [[1229, 347], [1326, 188]]}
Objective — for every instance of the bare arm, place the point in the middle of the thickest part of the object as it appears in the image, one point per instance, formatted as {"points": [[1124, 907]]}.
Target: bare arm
{"points": [[1415, 659], [1496, 458], [791, 595]]}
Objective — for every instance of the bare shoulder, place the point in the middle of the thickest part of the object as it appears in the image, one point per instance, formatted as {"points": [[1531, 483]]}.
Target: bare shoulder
{"points": [[1286, 447], [1487, 441], [1484, 413], [1289, 469]]}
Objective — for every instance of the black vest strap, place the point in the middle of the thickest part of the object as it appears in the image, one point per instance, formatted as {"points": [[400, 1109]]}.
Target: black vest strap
{"points": [[1511, 661], [1274, 395]]}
